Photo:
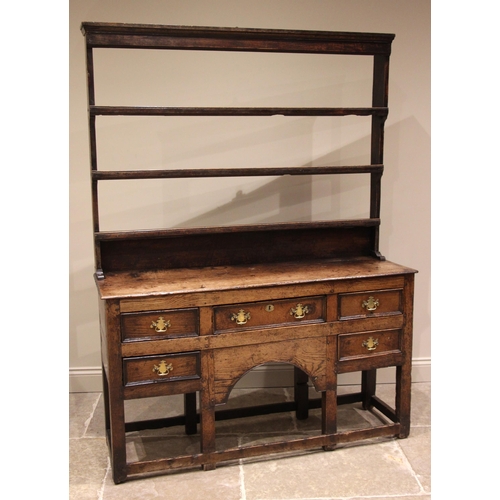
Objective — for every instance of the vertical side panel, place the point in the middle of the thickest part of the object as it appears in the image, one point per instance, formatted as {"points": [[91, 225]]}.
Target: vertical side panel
{"points": [[403, 372], [115, 391], [93, 156], [379, 99]]}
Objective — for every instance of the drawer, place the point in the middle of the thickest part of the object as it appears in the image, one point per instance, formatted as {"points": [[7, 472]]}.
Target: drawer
{"points": [[270, 313], [367, 344], [158, 369], [161, 324], [368, 304]]}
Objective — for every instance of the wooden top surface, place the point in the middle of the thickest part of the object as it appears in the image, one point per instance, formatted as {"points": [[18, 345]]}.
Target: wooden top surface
{"points": [[175, 281]]}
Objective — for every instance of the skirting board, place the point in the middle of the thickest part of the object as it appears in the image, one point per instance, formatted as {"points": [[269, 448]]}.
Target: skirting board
{"points": [[269, 375]]}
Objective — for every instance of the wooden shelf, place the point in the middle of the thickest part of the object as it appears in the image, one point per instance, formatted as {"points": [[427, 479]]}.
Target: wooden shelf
{"points": [[362, 239], [227, 111], [238, 245], [243, 228], [102, 175]]}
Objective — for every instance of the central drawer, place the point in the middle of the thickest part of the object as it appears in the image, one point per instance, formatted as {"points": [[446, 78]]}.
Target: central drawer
{"points": [[270, 313]]}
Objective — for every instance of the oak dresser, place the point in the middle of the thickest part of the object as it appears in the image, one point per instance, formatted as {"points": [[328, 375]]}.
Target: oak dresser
{"points": [[189, 311]]}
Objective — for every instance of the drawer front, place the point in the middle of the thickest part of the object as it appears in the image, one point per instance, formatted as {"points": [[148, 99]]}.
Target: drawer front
{"points": [[270, 313], [159, 369], [159, 324], [367, 304], [366, 344]]}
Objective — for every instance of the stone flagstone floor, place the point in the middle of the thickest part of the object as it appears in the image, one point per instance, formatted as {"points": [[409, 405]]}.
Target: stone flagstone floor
{"points": [[382, 470]]}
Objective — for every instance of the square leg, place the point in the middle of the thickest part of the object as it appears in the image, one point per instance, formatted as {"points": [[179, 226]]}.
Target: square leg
{"points": [[301, 394], [190, 413]]}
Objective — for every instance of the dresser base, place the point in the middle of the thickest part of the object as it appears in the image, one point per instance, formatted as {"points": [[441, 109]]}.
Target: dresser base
{"points": [[195, 338]]}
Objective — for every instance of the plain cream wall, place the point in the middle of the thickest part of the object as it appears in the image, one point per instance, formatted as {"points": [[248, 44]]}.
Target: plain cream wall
{"points": [[405, 230]]}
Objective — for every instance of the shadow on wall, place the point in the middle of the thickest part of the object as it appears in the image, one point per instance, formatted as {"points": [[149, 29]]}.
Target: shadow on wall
{"points": [[223, 201], [406, 187], [295, 198], [300, 198], [198, 202]]}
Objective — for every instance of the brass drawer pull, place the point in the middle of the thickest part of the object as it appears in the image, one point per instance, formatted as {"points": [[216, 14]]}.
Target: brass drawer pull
{"points": [[371, 304], [370, 344], [160, 325], [163, 368], [299, 311], [241, 317]]}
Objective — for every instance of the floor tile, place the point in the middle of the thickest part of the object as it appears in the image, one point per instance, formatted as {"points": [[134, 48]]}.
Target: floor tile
{"points": [[420, 401], [405, 497], [81, 409], [421, 404], [96, 427], [222, 483], [274, 423], [377, 469], [239, 398], [88, 460], [153, 408], [401, 471], [417, 448]]}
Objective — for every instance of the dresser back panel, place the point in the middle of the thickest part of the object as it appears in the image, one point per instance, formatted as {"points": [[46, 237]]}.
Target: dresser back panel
{"points": [[234, 248]]}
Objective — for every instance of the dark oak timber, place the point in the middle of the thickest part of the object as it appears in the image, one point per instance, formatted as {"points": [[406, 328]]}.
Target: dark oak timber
{"points": [[202, 250], [116, 35], [234, 172], [188, 311], [199, 111]]}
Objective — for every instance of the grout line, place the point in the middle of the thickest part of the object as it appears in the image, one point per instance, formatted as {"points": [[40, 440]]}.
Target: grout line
{"points": [[410, 468], [100, 495], [243, 493], [357, 497], [87, 422]]}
